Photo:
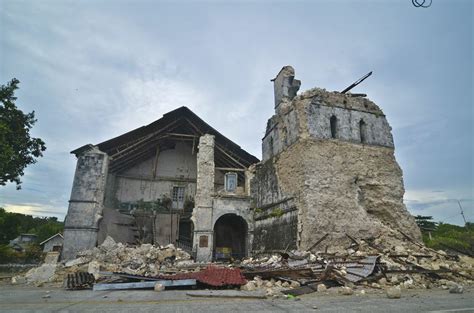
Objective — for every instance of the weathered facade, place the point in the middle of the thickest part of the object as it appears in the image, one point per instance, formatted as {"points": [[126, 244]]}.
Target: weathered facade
{"points": [[176, 181], [328, 167]]}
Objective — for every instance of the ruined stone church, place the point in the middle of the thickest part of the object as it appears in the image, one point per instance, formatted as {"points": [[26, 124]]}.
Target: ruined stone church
{"points": [[328, 174]]}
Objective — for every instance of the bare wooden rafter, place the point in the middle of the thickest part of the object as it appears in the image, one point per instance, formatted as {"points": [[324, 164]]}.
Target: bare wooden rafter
{"points": [[144, 139]]}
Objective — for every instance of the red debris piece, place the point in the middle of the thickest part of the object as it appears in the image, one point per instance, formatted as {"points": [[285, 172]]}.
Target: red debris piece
{"points": [[213, 276]]}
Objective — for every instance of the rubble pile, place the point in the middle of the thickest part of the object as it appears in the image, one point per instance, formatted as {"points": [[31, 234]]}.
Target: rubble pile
{"points": [[382, 266], [398, 264], [146, 259]]}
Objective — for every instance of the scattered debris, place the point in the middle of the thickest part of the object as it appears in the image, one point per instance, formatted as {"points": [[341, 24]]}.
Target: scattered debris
{"points": [[394, 292], [79, 280], [42, 274], [371, 264], [321, 287], [159, 287], [456, 289], [347, 291]]}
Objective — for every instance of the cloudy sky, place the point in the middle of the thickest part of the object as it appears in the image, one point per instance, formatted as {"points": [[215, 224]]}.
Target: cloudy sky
{"points": [[92, 70]]}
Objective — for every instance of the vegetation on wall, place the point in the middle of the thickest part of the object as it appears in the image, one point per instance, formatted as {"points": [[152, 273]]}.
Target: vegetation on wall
{"points": [[277, 212]]}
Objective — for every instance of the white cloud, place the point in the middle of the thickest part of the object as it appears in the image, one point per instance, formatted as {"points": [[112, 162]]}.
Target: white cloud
{"points": [[442, 205], [34, 209], [147, 99]]}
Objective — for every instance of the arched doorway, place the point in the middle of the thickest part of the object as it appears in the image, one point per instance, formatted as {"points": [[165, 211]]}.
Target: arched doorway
{"points": [[230, 237]]}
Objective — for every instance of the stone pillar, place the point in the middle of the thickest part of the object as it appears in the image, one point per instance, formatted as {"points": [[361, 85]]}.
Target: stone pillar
{"points": [[86, 203], [249, 176], [285, 85], [202, 214]]}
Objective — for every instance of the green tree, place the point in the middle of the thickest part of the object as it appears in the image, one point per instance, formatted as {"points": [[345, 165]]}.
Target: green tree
{"points": [[17, 148], [425, 223]]}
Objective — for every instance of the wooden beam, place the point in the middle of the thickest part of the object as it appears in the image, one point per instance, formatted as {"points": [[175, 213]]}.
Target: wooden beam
{"points": [[159, 178], [145, 138], [228, 155], [155, 164], [230, 169], [120, 163], [182, 135]]}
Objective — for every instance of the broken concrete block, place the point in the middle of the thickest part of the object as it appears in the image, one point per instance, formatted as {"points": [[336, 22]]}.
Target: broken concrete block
{"points": [[295, 284], [400, 250], [78, 261], [159, 287], [42, 274], [321, 288], [51, 257], [347, 291], [108, 244], [394, 292], [18, 280], [94, 268], [249, 286], [456, 288], [408, 284], [382, 281]]}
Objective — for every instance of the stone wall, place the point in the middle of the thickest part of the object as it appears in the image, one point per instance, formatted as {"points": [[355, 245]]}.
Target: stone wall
{"points": [[344, 189], [276, 232], [276, 217]]}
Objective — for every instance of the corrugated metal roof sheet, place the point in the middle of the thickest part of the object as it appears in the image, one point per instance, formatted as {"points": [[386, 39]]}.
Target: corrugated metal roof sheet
{"points": [[212, 276]]}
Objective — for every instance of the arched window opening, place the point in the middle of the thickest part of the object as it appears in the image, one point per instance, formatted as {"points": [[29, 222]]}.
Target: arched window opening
{"points": [[333, 122], [363, 131]]}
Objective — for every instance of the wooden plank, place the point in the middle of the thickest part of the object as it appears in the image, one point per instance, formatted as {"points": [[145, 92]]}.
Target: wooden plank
{"points": [[155, 163], [143, 139], [285, 272], [182, 135], [318, 242], [145, 284], [230, 169]]}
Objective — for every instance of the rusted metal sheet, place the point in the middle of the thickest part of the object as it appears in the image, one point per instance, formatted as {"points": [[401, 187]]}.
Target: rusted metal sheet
{"points": [[212, 276]]}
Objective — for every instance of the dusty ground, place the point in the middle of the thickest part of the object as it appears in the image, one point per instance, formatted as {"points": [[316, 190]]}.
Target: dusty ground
{"points": [[31, 299]]}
